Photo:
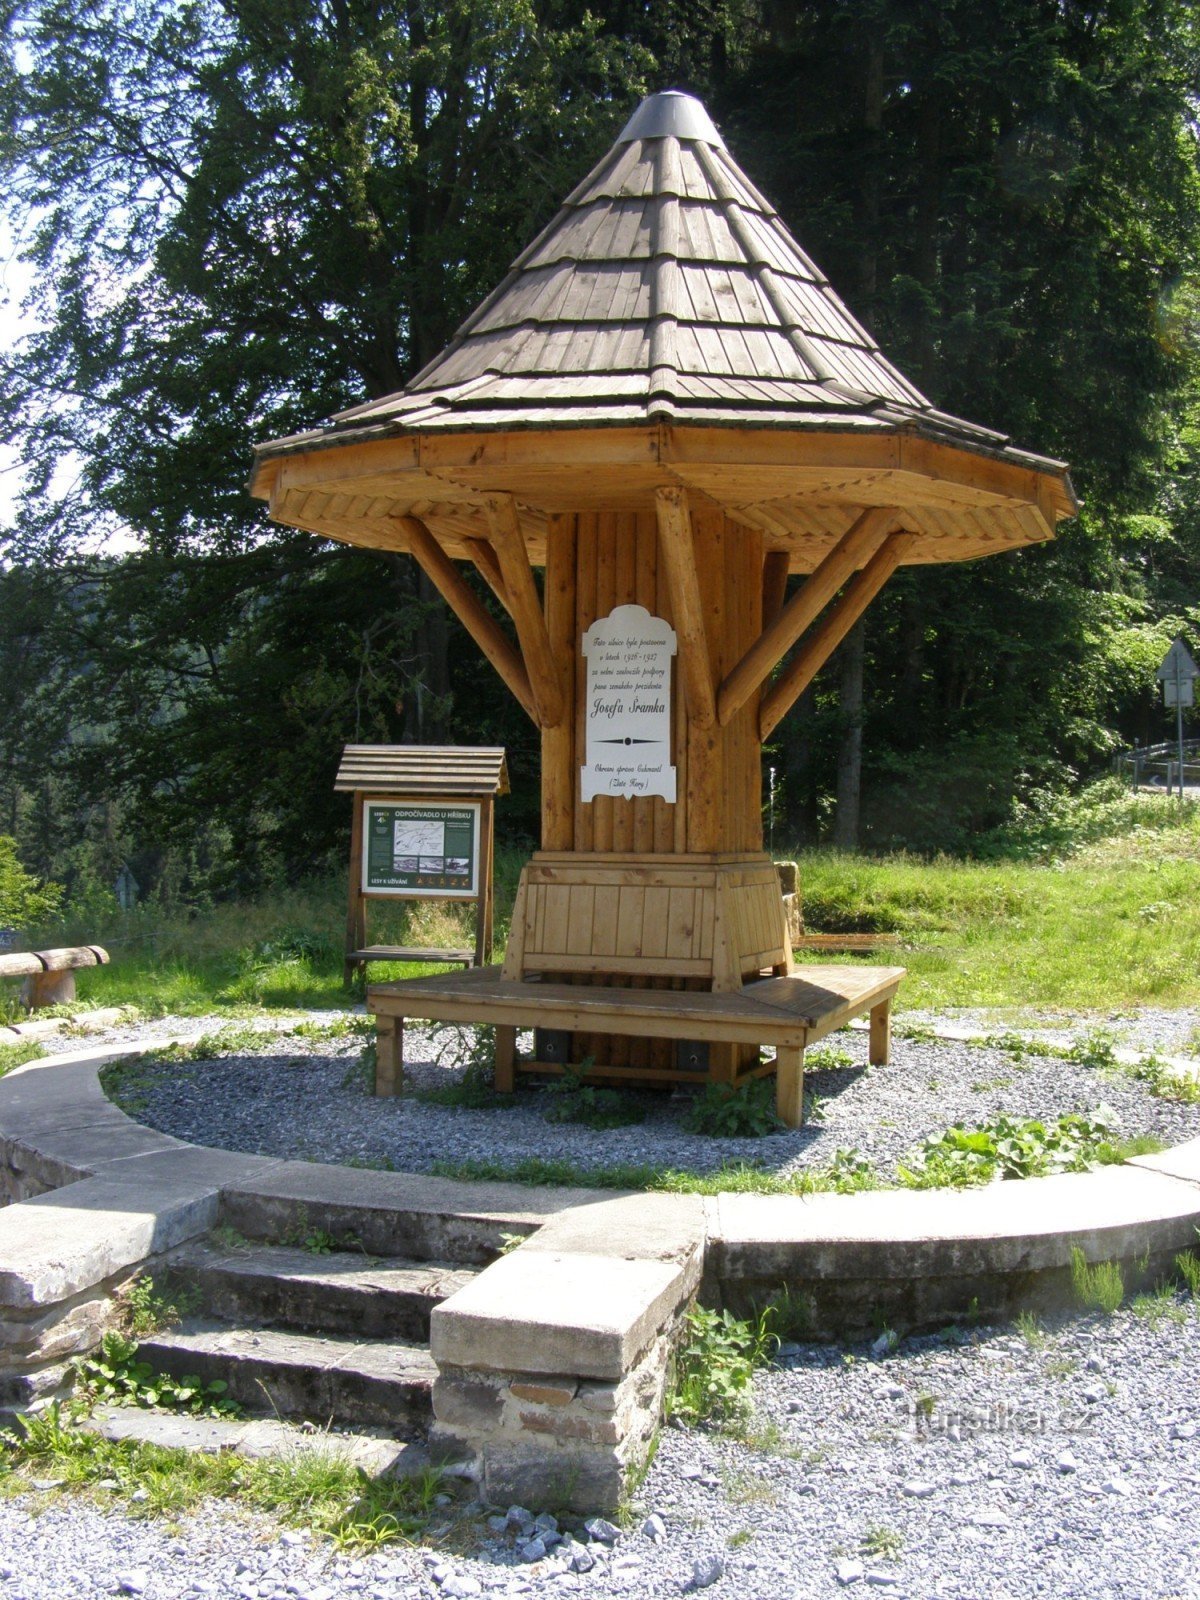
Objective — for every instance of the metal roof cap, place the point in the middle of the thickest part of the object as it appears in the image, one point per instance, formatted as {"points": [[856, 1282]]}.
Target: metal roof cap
{"points": [[671, 114]]}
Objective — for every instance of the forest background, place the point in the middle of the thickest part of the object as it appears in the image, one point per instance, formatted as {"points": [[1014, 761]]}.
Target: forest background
{"points": [[244, 215]]}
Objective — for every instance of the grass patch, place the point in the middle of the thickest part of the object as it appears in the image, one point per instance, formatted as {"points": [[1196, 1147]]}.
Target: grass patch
{"points": [[1097, 1288], [322, 1491], [17, 1054], [847, 1173]]}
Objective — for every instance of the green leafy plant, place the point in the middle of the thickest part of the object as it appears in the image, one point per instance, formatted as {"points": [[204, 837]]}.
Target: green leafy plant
{"points": [[572, 1099], [715, 1364], [1008, 1148], [360, 1074], [1099, 1287], [24, 900], [329, 1030], [827, 1058], [149, 1304], [884, 1544], [726, 1111], [118, 1375]]}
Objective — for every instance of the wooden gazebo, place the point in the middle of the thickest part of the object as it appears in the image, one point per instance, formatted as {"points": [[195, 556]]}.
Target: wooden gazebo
{"points": [[665, 407]]}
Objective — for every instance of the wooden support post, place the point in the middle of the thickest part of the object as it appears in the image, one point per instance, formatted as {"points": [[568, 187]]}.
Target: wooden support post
{"points": [[483, 900], [506, 1060], [486, 564], [774, 585], [389, 1055], [509, 545], [789, 1085], [778, 637], [879, 1048], [356, 911], [678, 554], [829, 633], [482, 627], [559, 780]]}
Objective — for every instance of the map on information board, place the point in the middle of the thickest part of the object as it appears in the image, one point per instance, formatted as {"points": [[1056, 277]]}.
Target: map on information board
{"points": [[410, 848]]}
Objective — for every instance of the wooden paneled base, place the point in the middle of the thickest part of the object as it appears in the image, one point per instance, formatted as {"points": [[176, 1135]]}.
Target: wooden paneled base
{"points": [[710, 920], [787, 1013]]}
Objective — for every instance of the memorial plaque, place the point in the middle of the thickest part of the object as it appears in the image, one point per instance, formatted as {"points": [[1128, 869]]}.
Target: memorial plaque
{"points": [[628, 721], [415, 849]]}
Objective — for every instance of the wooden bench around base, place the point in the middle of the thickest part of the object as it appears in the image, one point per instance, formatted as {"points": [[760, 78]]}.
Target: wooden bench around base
{"points": [[786, 1013]]}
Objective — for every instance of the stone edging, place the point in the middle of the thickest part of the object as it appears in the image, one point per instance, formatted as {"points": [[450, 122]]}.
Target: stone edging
{"points": [[553, 1360]]}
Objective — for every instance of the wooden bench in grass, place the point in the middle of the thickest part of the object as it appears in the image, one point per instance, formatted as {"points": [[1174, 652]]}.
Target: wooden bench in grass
{"points": [[50, 974], [787, 1013]]}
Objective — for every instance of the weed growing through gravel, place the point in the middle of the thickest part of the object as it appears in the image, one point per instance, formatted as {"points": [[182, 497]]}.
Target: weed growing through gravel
{"points": [[1158, 1305], [320, 1490], [1188, 1267], [475, 1090], [882, 1544], [827, 1058], [16, 1055], [715, 1364], [574, 1100], [1031, 1330], [1006, 1147], [1097, 1288], [332, 1029], [726, 1111], [235, 1038]]}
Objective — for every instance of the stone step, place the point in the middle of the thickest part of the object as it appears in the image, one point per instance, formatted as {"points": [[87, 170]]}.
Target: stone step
{"points": [[338, 1292], [348, 1382], [258, 1437]]}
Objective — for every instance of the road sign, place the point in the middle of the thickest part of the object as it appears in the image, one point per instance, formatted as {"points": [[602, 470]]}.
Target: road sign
{"points": [[1178, 674]]}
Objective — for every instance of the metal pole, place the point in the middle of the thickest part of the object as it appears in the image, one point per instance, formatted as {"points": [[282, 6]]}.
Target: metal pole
{"points": [[1179, 719]]}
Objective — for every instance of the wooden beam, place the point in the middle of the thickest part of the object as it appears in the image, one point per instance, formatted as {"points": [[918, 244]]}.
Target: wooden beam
{"points": [[678, 553], [774, 584], [861, 540], [482, 627], [830, 632], [509, 545], [484, 559]]}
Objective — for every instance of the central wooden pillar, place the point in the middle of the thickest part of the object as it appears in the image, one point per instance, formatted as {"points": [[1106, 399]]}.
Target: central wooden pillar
{"points": [[645, 891]]}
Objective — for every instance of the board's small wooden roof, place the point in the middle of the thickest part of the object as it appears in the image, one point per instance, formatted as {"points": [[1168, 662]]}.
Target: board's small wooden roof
{"points": [[413, 771]]}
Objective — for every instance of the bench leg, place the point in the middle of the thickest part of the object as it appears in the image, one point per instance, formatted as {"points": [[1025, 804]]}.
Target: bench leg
{"points": [[789, 1085], [389, 1055], [879, 1047], [48, 989], [506, 1058]]}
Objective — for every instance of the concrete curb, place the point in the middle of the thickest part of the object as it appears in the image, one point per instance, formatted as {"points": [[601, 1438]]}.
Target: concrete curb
{"points": [[553, 1360]]}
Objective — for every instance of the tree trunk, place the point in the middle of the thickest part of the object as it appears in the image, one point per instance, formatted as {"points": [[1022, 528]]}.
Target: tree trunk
{"points": [[849, 768]]}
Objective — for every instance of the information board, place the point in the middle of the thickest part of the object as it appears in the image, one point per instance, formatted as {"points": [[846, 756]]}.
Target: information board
{"points": [[628, 712], [410, 848]]}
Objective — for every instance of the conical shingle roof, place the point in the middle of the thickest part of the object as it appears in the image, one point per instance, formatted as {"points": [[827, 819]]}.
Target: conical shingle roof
{"points": [[666, 288], [664, 329]]}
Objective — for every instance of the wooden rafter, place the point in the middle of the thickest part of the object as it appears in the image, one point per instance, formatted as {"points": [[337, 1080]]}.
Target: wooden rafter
{"points": [[484, 559], [861, 540], [830, 631], [482, 627], [509, 544], [774, 585], [678, 555]]}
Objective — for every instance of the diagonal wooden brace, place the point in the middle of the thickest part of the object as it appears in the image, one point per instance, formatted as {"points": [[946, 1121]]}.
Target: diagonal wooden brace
{"points": [[829, 633], [509, 545], [475, 618], [678, 554], [860, 541]]}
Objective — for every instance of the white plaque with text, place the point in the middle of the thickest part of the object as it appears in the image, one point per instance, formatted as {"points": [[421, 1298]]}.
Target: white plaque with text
{"points": [[628, 709]]}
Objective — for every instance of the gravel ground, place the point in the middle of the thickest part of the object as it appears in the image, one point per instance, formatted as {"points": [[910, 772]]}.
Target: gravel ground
{"points": [[305, 1102], [1069, 1467], [976, 1463]]}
